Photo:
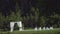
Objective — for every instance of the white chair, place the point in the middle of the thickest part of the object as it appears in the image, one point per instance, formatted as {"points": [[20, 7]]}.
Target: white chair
{"points": [[47, 28], [43, 28], [40, 28], [35, 28], [51, 28]]}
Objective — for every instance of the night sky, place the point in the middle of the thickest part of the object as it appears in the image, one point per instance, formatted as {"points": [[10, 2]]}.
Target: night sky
{"points": [[7, 5]]}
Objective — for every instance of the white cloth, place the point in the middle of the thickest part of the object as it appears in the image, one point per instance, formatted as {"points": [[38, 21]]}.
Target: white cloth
{"points": [[12, 26], [19, 24]]}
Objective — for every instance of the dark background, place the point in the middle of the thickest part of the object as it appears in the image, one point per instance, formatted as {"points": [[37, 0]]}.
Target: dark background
{"points": [[7, 5], [46, 9]]}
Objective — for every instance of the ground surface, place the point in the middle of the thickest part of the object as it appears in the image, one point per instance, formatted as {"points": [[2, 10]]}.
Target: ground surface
{"points": [[31, 31]]}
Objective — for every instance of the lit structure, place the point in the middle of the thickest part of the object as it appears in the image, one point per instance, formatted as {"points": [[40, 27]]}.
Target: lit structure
{"points": [[12, 26]]}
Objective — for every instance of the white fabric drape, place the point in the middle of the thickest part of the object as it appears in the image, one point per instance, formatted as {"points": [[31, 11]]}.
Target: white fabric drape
{"points": [[12, 26]]}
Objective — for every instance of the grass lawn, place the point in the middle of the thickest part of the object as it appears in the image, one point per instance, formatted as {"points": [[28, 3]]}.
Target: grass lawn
{"points": [[54, 31]]}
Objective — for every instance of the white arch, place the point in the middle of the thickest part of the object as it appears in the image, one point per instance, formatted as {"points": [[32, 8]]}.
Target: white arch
{"points": [[12, 26]]}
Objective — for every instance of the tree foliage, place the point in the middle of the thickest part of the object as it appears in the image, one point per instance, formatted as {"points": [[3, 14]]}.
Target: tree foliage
{"points": [[32, 13]]}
